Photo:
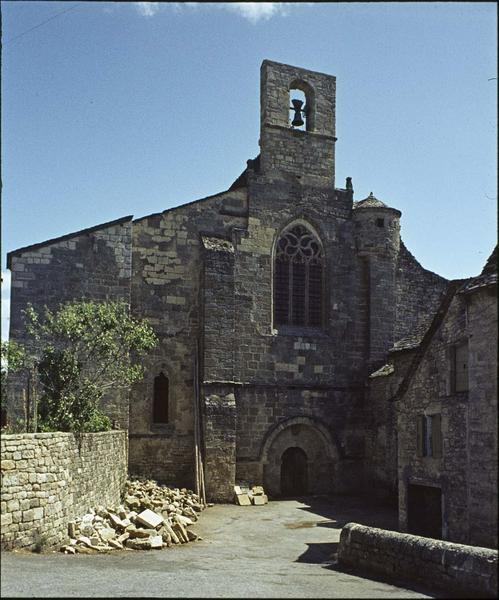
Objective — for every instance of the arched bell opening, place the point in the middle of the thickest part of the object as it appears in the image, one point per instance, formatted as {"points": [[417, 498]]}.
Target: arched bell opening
{"points": [[301, 105], [294, 472]]}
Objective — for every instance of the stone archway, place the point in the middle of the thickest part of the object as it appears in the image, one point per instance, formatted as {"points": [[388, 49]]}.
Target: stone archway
{"points": [[303, 444]]}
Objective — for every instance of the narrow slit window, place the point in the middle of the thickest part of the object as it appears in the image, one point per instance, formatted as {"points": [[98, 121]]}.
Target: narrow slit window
{"points": [[161, 399], [461, 367], [298, 279]]}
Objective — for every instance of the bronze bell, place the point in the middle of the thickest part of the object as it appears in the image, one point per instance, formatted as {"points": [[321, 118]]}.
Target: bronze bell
{"points": [[297, 107]]}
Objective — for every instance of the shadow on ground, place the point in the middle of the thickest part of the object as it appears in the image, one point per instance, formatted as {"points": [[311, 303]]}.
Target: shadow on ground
{"points": [[335, 512]]}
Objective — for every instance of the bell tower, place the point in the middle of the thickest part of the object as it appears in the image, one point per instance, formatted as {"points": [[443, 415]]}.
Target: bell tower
{"points": [[297, 128]]}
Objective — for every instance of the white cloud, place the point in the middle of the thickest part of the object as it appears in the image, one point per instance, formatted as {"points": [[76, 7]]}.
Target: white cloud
{"points": [[252, 11], [5, 304], [147, 9], [256, 11]]}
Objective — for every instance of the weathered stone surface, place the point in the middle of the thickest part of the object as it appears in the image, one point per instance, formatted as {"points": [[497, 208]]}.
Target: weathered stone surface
{"points": [[148, 518], [451, 567], [83, 539], [62, 477], [243, 500], [260, 500], [156, 541], [116, 521], [141, 533], [107, 533], [101, 529], [139, 543]]}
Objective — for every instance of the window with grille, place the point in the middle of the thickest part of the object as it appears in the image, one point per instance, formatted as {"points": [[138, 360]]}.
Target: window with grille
{"points": [[160, 399], [298, 279]]}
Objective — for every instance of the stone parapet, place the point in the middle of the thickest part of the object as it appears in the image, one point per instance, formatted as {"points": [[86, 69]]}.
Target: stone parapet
{"points": [[451, 567]]}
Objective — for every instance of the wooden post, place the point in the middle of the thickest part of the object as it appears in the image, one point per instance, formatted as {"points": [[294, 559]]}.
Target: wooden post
{"points": [[28, 404], [35, 406], [25, 406], [196, 427]]}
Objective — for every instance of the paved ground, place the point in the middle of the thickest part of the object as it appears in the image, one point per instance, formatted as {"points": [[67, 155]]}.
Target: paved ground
{"points": [[281, 550]]}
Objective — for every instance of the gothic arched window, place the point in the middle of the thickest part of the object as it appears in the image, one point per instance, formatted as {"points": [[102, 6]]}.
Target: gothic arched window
{"points": [[160, 399], [298, 278]]}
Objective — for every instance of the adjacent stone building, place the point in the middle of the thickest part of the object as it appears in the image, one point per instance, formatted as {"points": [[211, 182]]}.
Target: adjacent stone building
{"points": [[273, 302]]}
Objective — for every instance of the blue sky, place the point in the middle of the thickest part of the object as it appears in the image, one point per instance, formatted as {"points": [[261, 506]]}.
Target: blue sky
{"points": [[110, 109]]}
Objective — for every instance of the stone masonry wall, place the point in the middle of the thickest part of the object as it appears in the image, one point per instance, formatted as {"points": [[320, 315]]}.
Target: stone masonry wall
{"points": [[94, 264], [482, 417], [418, 293], [410, 558], [219, 432], [381, 429], [430, 392], [50, 478], [284, 150], [168, 290]]}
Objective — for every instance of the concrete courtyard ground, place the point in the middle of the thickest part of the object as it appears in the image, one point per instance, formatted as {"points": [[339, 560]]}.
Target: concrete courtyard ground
{"points": [[284, 549]]}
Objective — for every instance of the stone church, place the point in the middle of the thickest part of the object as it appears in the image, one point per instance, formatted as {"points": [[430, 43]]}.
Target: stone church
{"points": [[274, 302]]}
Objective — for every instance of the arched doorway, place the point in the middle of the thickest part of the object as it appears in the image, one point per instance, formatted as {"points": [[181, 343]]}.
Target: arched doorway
{"points": [[299, 450], [294, 472]]}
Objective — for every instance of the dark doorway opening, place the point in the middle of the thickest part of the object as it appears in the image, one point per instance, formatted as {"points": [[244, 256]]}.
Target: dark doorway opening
{"points": [[425, 511], [294, 476]]}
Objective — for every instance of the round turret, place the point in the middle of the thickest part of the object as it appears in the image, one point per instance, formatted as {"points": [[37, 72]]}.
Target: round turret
{"points": [[377, 226]]}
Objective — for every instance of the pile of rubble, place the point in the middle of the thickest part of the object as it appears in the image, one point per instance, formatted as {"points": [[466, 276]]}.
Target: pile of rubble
{"points": [[246, 496], [151, 516]]}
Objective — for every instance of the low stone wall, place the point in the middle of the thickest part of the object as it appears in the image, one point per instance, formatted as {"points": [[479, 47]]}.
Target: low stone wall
{"points": [[50, 478], [451, 567]]}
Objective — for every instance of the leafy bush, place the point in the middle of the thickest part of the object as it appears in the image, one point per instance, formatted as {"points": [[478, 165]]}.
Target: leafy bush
{"points": [[86, 351]]}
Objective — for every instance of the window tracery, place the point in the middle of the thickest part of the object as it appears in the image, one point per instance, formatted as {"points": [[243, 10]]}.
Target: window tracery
{"points": [[298, 278]]}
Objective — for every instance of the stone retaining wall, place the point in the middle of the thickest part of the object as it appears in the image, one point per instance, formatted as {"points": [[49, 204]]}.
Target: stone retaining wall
{"points": [[451, 567], [50, 478]]}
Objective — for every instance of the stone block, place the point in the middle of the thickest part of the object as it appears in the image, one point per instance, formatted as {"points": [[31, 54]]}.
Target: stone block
{"points": [[150, 519], [156, 541], [116, 521], [107, 533], [141, 533], [260, 500], [243, 500]]}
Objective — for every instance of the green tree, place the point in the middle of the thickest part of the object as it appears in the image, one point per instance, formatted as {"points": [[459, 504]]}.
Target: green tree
{"points": [[12, 358], [87, 349]]}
